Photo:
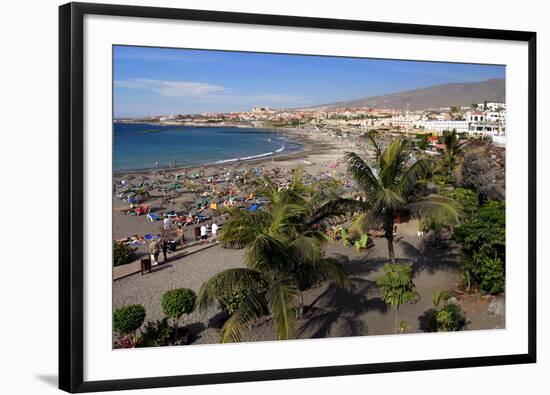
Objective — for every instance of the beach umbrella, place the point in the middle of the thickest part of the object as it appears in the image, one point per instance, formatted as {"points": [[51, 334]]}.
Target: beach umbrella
{"points": [[174, 186]]}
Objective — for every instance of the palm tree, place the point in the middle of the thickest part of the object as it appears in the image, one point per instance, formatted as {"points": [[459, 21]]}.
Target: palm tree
{"points": [[283, 256], [389, 191], [397, 286], [452, 148]]}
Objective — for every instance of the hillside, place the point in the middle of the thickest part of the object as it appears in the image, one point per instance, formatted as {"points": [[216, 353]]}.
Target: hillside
{"points": [[444, 95]]}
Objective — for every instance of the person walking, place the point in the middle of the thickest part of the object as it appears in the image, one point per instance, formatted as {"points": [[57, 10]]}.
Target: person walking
{"points": [[164, 247], [215, 228], [167, 223], [204, 233], [154, 250], [180, 233]]}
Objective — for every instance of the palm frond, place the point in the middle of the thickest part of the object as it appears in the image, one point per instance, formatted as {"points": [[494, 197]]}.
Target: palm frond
{"points": [[439, 208], [362, 174], [305, 249], [337, 208], [251, 309], [370, 136], [363, 222], [225, 283], [392, 164], [388, 201], [268, 253], [281, 298], [331, 269], [242, 225], [413, 174]]}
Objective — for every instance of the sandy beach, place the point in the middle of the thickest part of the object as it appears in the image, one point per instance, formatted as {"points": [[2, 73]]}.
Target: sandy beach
{"points": [[321, 158]]}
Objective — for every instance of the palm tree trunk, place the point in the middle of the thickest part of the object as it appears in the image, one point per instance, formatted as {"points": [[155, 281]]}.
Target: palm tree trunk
{"points": [[390, 249], [396, 327], [388, 230]]}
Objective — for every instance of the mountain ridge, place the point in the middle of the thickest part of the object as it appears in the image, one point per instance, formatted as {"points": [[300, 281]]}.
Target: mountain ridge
{"points": [[435, 96]]}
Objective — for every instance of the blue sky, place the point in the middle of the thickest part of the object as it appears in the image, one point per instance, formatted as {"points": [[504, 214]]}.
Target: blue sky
{"points": [[156, 81]]}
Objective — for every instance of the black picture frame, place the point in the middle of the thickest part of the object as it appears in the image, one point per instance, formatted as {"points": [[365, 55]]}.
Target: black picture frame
{"points": [[71, 223]]}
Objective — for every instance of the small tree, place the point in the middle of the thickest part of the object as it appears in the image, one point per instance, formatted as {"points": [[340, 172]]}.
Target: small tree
{"points": [[178, 302], [127, 320], [397, 286]]}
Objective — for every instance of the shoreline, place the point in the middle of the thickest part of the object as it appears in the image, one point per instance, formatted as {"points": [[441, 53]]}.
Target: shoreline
{"points": [[310, 146]]}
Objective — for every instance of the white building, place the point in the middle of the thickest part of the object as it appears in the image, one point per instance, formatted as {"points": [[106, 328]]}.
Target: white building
{"points": [[487, 128], [495, 116], [440, 126], [492, 106], [475, 116], [403, 121]]}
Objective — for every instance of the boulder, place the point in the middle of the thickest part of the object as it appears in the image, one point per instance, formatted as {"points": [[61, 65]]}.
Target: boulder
{"points": [[497, 306], [452, 300]]}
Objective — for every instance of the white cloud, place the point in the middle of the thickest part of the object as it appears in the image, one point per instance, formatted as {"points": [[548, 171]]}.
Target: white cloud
{"points": [[190, 96], [172, 88]]}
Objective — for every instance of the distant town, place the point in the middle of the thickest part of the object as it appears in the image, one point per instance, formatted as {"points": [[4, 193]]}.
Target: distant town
{"points": [[486, 119]]}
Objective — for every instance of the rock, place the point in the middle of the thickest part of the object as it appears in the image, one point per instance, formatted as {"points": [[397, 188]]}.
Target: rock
{"points": [[452, 300], [497, 306]]}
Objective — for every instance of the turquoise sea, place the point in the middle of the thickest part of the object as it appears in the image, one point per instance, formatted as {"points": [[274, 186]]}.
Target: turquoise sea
{"points": [[148, 146]]}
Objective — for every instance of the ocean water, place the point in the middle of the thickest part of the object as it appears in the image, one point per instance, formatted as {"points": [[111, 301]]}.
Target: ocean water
{"points": [[147, 146]]}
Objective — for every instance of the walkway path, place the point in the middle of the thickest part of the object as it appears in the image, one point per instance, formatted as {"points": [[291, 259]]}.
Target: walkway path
{"points": [[135, 266]]}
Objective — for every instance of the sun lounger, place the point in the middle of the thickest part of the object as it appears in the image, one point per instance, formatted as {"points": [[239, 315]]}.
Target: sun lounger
{"points": [[142, 210], [171, 214], [153, 217], [201, 218]]}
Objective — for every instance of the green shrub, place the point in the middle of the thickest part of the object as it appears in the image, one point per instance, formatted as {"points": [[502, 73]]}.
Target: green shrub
{"points": [[178, 302], [127, 319], [123, 254], [156, 333], [444, 321], [483, 245], [491, 274], [466, 198], [450, 318]]}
